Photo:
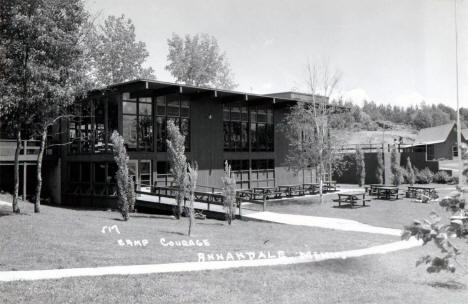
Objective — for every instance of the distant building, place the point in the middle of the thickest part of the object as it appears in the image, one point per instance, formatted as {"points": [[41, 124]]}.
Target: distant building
{"points": [[438, 143]]}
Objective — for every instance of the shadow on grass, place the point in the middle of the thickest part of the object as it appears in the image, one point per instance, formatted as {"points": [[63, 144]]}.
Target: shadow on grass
{"points": [[173, 232], [168, 217], [451, 285], [350, 207], [209, 224]]}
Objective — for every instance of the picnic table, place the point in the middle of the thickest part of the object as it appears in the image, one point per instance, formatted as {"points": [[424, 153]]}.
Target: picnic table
{"points": [[388, 192], [417, 191], [372, 189], [329, 185], [310, 188], [264, 192], [291, 190], [352, 198]]}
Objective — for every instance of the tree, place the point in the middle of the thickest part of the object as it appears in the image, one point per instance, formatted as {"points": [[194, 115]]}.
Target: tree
{"points": [[410, 172], [360, 166], [63, 75], [40, 65], [125, 184], [307, 127], [178, 161], [380, 167], [229, 192], [397, 172], [114, 54], [191, 184], [198, 61]]}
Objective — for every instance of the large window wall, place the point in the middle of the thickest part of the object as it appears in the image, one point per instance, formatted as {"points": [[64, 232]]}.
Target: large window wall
{"points": [[92, 179], [173, 107], [137, 122], [90, 128], [244, 125]]}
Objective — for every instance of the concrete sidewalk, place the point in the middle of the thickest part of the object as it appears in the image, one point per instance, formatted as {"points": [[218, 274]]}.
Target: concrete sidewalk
{"points": [[321, 222]]}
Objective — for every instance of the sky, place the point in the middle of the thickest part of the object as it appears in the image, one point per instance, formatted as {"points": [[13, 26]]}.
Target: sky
{"points": [[397, 52]]}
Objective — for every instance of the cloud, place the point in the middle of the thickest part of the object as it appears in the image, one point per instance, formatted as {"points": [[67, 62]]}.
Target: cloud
{"points": [[414, 98], [356, 96]]}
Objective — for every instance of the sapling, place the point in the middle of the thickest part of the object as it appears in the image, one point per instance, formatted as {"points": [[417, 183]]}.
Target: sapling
{"points": [[229, 192], [178, 161], [124, 183], [191, 185]]}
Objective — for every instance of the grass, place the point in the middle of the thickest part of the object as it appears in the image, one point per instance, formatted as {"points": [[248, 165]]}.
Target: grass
{"points": [[60, 237]]}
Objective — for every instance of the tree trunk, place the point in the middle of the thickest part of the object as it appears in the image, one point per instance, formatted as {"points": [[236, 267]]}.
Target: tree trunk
{"points": [[15, 206], [321, 176], [40, 156]]}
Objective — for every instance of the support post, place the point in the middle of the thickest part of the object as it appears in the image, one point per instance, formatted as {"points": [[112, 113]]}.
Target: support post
{"points": [[24, 180]]}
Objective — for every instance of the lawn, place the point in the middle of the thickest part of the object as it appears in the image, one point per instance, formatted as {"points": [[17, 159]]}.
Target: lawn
{"points": [[64, 238]]}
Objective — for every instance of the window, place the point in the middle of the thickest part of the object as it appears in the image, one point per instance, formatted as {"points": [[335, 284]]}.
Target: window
{"points": [[455, 150], [163, 174], [430, 152], [177, 109], [242, 124], [137, 123], [99, 126]]}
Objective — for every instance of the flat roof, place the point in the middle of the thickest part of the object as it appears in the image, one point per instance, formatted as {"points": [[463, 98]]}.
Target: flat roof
{"points": [[162, 86]]}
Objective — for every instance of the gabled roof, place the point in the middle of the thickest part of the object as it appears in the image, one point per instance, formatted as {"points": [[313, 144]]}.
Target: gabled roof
{"points": [[434, 135], [465, 133]]}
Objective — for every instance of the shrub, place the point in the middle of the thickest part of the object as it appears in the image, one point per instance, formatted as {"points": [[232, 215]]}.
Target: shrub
{"points": [[397, 171], [380, 168], [424, 176], [125, 184], [360, 166], [442, 177], [409, 173]]}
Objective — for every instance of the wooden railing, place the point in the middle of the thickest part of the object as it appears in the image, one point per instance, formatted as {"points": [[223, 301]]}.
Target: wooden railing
{"points": [[28, 152], [210, 198]]}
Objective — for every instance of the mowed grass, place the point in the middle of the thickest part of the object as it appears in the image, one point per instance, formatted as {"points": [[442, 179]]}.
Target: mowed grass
{"points": [[64, 238], [380, 212]]}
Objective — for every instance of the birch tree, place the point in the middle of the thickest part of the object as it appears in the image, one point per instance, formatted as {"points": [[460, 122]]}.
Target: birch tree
{"points": [[178, 161], [306, 125], [40, 69]]}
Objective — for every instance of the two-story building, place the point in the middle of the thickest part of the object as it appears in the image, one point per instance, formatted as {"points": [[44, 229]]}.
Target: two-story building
{"points": [[218, 125]]}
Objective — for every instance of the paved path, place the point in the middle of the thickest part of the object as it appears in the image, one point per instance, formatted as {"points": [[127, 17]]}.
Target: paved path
{"points": [[322, 222], [32, 275], [290, 219]]}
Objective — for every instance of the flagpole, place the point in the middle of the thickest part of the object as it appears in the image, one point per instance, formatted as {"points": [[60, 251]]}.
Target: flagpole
{"points": [[459, 152]]}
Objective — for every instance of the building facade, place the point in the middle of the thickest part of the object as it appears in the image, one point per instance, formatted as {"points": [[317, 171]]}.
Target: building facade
{"points": [[218, 125]]}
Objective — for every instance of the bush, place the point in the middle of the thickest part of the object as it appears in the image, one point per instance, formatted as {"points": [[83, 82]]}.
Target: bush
{"points": [[424, 176], [442, 177], [409, 175]]}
